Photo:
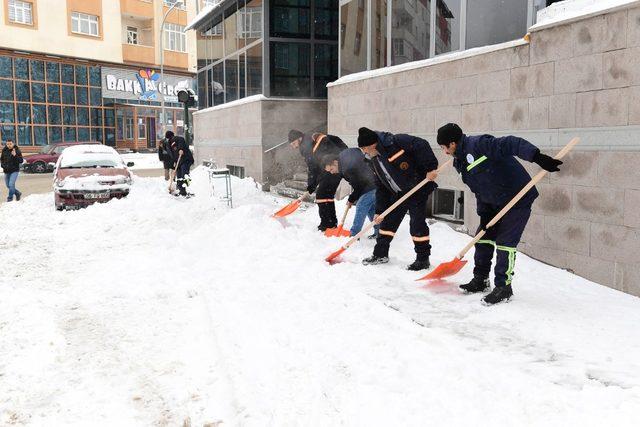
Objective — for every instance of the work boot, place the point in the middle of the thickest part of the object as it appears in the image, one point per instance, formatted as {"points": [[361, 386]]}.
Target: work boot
{"points": [[419, 265], [477, 284], [374, 260], [18, 196], [499, 294]]}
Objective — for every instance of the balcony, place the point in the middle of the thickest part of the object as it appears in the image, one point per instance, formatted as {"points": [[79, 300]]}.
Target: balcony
{"points": [[176, 59], [137, 8], [138, 54]]}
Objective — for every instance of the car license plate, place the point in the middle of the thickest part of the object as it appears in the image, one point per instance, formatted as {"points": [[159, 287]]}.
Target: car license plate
{"points": [[96, 195]]}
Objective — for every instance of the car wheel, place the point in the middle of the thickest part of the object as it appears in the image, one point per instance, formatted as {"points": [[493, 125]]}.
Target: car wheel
{"points": [[39, 167], [59, 207]]}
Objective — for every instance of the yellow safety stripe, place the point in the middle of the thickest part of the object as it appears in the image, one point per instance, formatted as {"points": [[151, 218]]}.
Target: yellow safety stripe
{"points": [[325, 200], [476, 163], [512, 262], [386, 233], [319, 139], [486, 242], [395, 156], [420, 238]]}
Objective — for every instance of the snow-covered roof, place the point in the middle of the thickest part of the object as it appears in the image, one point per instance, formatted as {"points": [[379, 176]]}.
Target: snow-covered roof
{"points": [[204, 14], [571, 10]]}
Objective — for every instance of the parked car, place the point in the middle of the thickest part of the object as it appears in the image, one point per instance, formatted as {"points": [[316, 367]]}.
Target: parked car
{"points": [[89, 173], [44, 160]]}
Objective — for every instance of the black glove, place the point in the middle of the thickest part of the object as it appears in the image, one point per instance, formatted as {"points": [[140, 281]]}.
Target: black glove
{"points": [[484, 220], [547, 163]]}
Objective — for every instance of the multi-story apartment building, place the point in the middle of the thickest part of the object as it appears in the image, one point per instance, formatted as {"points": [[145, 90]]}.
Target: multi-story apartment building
{"points": [[89, 70]]}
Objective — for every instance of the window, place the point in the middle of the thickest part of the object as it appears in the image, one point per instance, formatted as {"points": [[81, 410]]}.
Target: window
{"points": [[448, 204], [128, 127], [398, 47], [250, 22], [211, 2], [132, 35], [236, 171], [82, 23], [142, 128], [20, 12], [174, 38]]}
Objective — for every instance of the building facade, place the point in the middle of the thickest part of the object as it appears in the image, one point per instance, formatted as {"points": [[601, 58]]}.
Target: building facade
{"points": [[263, 68], [573, 77], [89, 70]]}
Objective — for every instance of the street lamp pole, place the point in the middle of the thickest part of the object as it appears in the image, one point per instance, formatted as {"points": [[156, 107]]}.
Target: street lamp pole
{"points": [[164, 117]]}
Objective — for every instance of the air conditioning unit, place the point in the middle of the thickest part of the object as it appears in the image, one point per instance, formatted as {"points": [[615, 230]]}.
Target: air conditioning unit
{"points": [[448, 204]]}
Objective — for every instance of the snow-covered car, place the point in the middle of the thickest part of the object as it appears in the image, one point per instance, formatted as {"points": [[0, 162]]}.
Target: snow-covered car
{"points": [[86, 174]]}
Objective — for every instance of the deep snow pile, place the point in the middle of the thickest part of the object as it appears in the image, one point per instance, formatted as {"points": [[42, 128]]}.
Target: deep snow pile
{"points": [[150, 309], [142, 160]]}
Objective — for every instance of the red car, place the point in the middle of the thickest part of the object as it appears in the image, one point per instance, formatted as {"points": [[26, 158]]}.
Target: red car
{"points": [[41, 162], [86, 174]]}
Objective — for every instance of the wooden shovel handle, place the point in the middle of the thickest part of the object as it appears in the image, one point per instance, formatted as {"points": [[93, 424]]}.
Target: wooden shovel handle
{"points": [[344, 217], [517, 197], [395, 205], [175, 170]]}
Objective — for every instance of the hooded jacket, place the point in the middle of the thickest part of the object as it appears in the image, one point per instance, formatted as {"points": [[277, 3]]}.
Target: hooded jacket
{"points": [[488, 166], [313, 150], [355, 170]]}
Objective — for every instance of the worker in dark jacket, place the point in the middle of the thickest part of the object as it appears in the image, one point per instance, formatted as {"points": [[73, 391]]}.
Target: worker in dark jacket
{"points": [[399, 163], [351, 165], [488, 167], [164, 154], [10, 160], [313, 147], [182, 160]]}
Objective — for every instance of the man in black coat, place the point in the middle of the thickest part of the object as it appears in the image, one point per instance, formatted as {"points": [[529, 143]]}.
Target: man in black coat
{"points": [[399, 163], [10, 160], [488, 166], [351, 165], [182, 158], [313, 147], [164, 154]]}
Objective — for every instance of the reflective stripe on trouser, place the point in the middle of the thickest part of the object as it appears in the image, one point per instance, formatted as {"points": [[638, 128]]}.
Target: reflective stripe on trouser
{"points": [[504, 236], [416, 205], [326, 191]]}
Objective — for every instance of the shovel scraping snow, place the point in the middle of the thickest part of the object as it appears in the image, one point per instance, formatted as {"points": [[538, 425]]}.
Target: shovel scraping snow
{"points": [[290, 208], [452, 267]]}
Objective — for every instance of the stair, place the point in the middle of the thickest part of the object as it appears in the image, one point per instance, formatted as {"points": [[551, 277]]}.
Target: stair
{"points": [[292, 188]]}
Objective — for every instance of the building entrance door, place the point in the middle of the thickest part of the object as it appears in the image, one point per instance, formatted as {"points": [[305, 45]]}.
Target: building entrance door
{"points": [[151, 132]]}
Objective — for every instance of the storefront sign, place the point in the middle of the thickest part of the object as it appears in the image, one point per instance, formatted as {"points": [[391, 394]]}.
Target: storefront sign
{"points": [[142, 85]]}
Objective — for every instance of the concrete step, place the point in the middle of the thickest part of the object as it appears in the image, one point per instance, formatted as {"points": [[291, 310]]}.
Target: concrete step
{"points": [[286, 191], [298, 185], [300, 176]]}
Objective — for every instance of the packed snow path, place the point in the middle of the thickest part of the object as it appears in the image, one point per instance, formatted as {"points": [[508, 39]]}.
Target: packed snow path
{"points": [[151, 309]]}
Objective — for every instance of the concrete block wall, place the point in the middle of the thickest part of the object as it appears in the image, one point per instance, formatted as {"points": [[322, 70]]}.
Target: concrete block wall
{"points": [[239, 133], [578, 78]]}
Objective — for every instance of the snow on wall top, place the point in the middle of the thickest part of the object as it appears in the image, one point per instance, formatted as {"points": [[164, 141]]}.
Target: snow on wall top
{"points": [[453, 56], [571, 10]]}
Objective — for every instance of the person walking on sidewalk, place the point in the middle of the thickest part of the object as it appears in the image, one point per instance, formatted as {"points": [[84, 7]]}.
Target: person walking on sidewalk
{"points": [[351, 165], [182, 160], [313, 147], [399, 163], [10, 160], [164, 154], [488, 167]]}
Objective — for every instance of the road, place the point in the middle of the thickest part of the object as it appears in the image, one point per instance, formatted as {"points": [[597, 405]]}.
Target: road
{"points": [[30, 183]]}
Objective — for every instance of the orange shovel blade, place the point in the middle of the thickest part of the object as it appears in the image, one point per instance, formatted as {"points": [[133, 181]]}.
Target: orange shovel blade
{"points": [[337, 232], [332, 259], [287, 210], [445, 269]]}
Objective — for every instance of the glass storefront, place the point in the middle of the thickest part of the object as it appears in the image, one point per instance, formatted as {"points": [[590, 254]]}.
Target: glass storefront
{"points": [[400, 31], [300, 45], [44, 101]]}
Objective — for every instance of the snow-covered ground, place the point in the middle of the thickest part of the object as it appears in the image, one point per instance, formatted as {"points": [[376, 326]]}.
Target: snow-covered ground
{"points": [[143, 160], [151, 309]]}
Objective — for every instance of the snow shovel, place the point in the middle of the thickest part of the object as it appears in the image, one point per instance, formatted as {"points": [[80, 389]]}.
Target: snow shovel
{"points": [[332, 259], [452, 267], [173, 174], [339, 231], [290, 208]]}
